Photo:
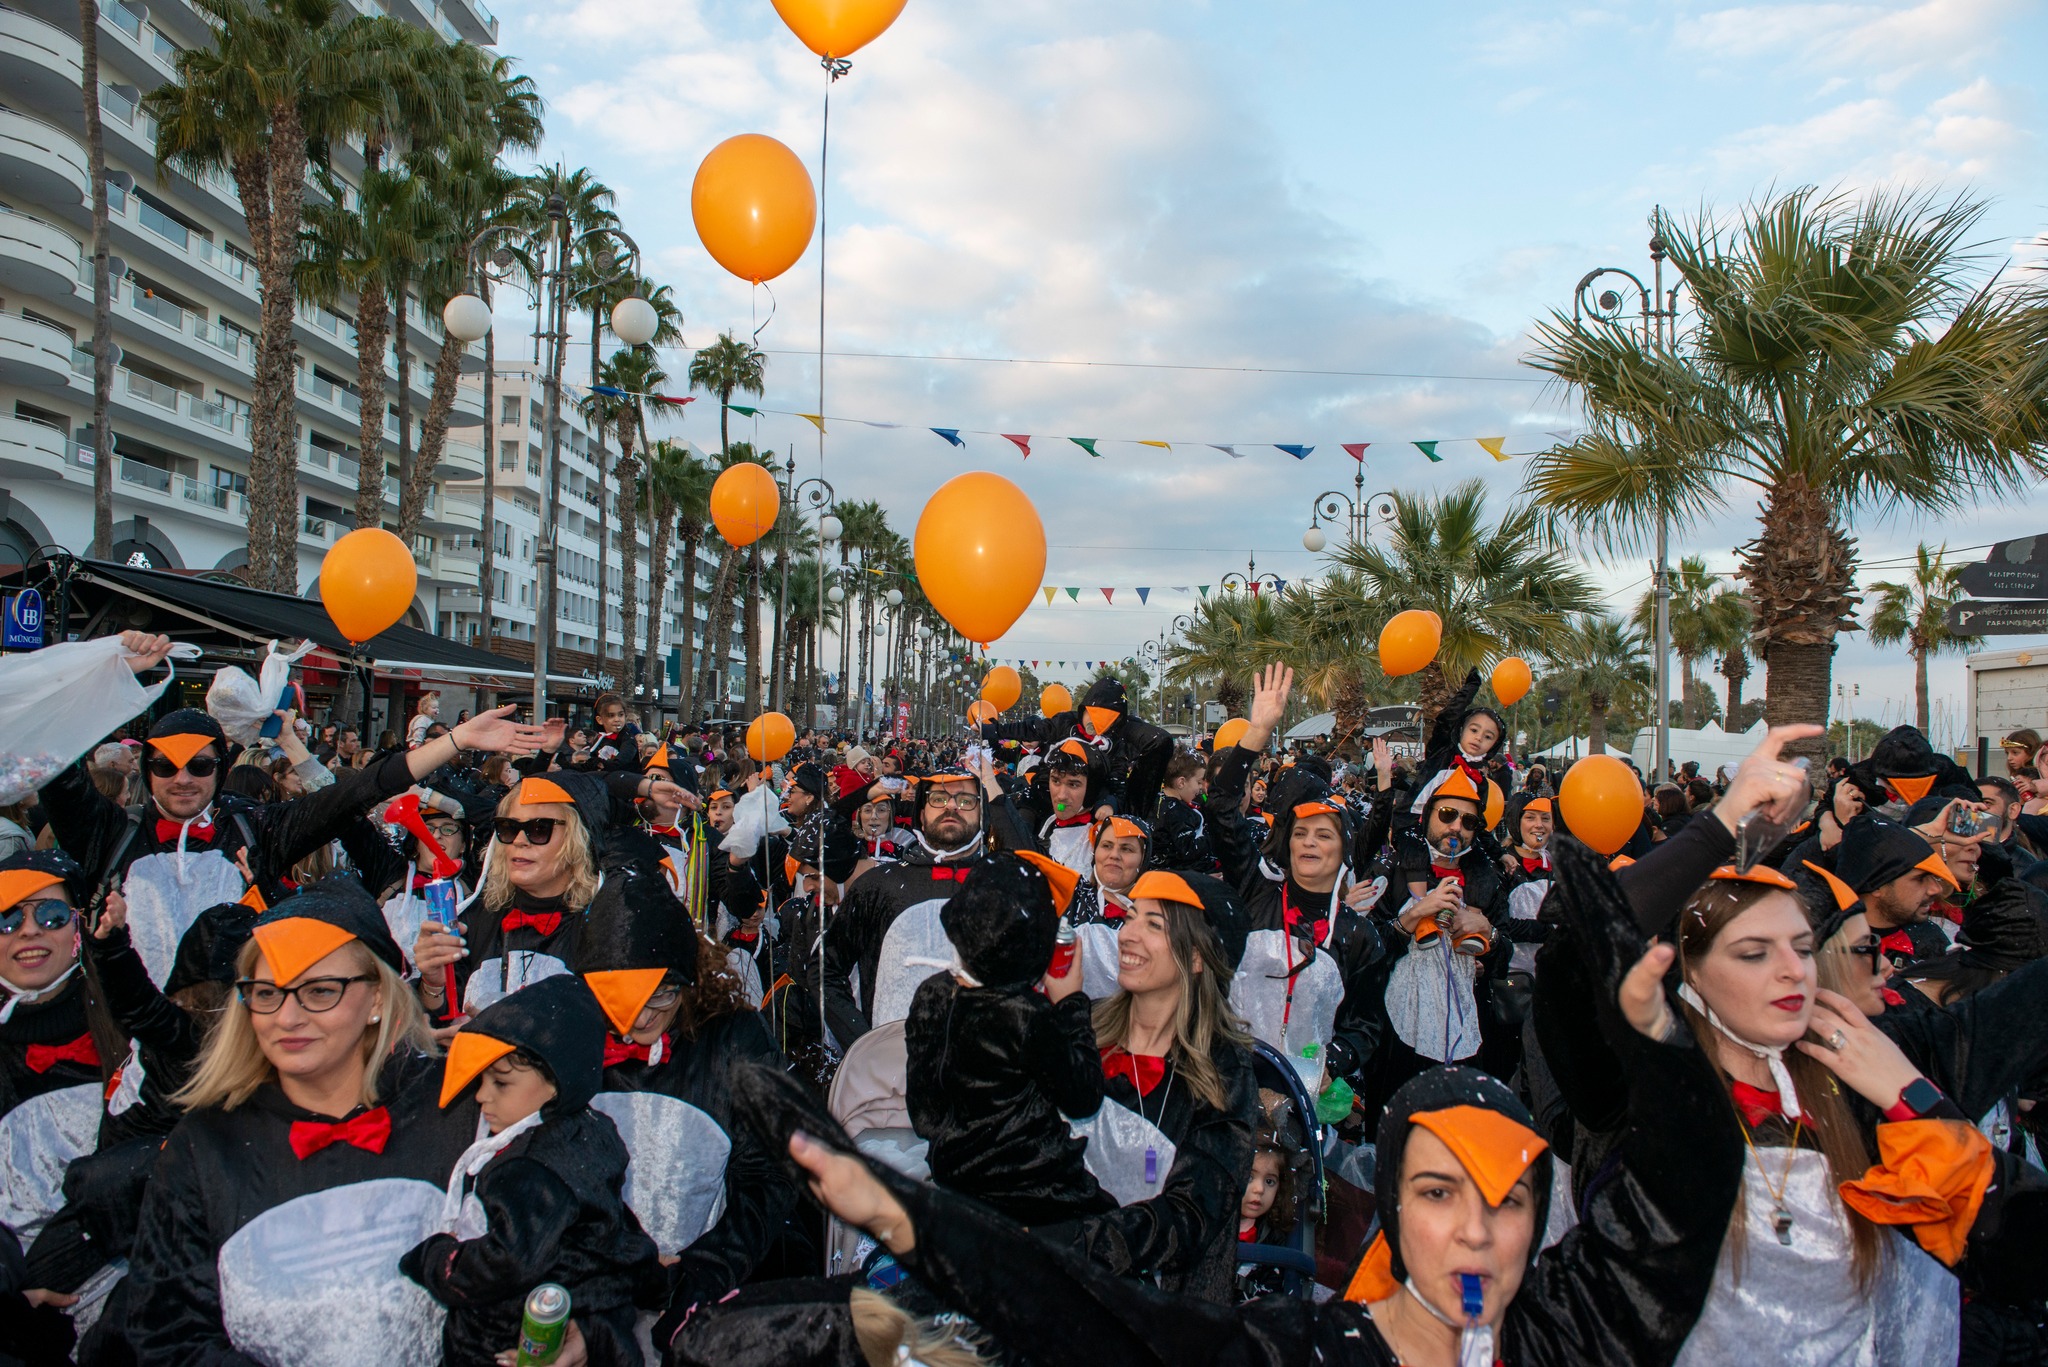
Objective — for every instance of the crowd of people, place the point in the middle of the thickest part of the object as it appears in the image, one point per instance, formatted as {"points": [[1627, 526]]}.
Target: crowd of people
{"points": [[1056, 1041]]}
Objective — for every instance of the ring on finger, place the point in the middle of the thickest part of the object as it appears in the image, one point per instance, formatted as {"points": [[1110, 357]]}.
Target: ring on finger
{"points": [[1836, 1041]]}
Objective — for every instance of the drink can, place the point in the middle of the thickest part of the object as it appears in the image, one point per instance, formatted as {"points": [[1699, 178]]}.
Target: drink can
{"points": [[439, 896], [1064, 942], [544, 1325]]}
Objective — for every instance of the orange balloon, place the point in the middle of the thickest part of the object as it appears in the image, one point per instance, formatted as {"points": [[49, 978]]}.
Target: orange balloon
{"points": [[980, 554], [1602, 802], [1511, 680], [981, 712], [769, 737], [1408, 642], [753, 206], [1054, 699], [1495, 804], [367, 581], [745, 501], [1230, 733], [838, 28], [1002, 687]]}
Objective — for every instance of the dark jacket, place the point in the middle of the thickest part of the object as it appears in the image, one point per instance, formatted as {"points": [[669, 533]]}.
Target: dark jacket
{"points": [[873, 902], [1180, 838], [1135, 765]]}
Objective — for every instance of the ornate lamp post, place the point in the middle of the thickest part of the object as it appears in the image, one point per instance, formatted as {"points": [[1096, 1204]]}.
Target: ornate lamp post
{"points": [[1359, 509]]}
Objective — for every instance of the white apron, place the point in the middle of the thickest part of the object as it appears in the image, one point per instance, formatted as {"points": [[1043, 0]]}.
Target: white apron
{"points": [[39, 1140], [1129, 1155], [1301, 1029], [916, 934], [166, 892], [675, 1177]]}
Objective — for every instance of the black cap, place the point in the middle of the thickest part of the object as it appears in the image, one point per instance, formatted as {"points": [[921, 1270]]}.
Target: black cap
{"points": [[556, 1022], [636, 922], [337, 902]]}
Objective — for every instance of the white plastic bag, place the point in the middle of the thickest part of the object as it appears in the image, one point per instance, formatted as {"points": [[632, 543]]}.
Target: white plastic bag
{"points": [[755, 817], [57, 703], [242, 705], [1431, 1004]]}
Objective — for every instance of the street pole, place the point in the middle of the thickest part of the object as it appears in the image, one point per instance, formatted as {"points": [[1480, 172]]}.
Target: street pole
{"points": [[550, 501], [1656, 320], [778, 651]]}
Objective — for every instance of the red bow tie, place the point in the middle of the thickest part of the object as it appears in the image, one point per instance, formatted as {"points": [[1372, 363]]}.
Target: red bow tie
{"points": [[419, 882], [1439, 874], [1319, 929], [619, 1050], [1146, 1070], [543, 922], [1897, 942], [1077, 819], [198, 833], [1758, 1105], [942, 873], [43, 1057], [370, 1132], [665, 832]]}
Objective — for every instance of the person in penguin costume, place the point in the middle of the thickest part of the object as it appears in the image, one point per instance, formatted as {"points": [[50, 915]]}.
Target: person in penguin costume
{"points": [[1061, 805], [1463, 739], [1001, 1055], [537, 1197], [313, 1153], [1134, 753], [176, 854], [1121, 850], [676, 1026]]}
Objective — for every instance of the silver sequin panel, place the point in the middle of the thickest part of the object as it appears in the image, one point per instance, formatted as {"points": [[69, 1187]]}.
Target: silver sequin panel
{"points": [[38, 1140], [916, 934], [1118, 1138], [1258, 993], [165, 894], [675, 1180]]}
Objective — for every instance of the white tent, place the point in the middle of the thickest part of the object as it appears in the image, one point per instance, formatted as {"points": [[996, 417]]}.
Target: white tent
{"points": [[1710, 747], [1315, 728], [1576, 748]]}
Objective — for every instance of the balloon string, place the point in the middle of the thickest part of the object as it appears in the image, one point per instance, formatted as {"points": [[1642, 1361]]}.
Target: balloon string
{"points": [[763, 285]]}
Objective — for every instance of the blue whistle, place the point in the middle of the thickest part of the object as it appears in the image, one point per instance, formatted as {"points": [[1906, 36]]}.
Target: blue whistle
{"points": [[1473, 1293], [1151, 1166]]}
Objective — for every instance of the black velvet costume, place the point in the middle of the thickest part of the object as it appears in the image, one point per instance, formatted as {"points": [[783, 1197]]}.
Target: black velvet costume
{"points": [[1136, 752]]}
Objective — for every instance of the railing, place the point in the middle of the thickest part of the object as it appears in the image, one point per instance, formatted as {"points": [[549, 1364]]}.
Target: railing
{"points": [[162, 224], [314, 526], [163, 49], [120, 106], [152, 391], [133, 472], [124, 19], [208, 495], [330, 393]]}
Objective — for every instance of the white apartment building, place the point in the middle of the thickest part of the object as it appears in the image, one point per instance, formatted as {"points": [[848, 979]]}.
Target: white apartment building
{"points": [[185, 320]]}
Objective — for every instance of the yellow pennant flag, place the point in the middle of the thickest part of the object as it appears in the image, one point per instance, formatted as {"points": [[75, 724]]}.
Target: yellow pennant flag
{"points": [[1049, 591], [1162, 445], [1493, 445], [817, 420]]}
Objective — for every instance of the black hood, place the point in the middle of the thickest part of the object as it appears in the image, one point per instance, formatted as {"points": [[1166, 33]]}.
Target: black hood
{"points": [[189, 721], [1904, 755], [1002, 922], [1225, 913], [1292, 789], [1072, 756], [587, 794], [842, 851], [339, 902], [556, 1022], [209, 947], [56, 864], [1875, 851], [1106, 692], [636, 922]]}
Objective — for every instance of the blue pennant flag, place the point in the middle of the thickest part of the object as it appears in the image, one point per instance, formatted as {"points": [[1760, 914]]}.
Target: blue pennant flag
{"points": [[951, 434], [608, 391], [1298, 452], [1143, 594]]}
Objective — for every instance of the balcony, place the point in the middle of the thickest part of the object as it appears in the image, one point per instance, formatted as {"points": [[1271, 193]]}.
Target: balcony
{"points": [[38, 258], [476, 23], [148, 476], [173, 411], [330, 395], [34, 354], [221, 350], [40, 163], [31, 450], [39, 63]]}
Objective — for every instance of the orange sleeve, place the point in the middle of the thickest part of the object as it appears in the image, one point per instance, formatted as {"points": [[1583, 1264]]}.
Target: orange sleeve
{"points": [[1931, 1176]]}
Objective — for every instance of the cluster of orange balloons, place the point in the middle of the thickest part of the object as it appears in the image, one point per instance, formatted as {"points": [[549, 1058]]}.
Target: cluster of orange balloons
{"points": [[367, 581], [1409, 641], [1054, 699], [980, 552], [769, 737], [745, 501], [1002, 688]]}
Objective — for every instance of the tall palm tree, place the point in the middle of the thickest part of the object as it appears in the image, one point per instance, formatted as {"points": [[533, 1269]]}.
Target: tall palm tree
{"points": [[725, 368], [1915, 611], [1503, 588], [863, 526], [692, 517], [1234, 635], [1707, 618], [102, 283], [636, 372], [718, 630], [1608, 662], [280, 76], [802, 622], [1841, 359], [673, 475]]}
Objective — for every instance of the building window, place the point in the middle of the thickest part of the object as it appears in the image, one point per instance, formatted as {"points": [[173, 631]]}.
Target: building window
{"points": [[508, 455], [508, 408]]}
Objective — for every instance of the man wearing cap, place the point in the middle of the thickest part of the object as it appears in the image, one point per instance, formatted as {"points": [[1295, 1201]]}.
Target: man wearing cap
{"points": [[176, 854], [1135, 753], [1061, 802], [1898, 877]]}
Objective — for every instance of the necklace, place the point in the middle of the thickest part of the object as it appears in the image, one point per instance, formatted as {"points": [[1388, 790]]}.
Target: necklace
{"points": [[1781, 1218]]}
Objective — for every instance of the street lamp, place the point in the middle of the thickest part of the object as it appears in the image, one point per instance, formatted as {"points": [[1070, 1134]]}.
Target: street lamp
{"points": [[467, 317], [1657, 313], [1358, 509]]}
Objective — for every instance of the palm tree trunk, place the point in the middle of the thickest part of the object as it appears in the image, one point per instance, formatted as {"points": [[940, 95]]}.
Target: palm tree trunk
{"points": [[627, 478], [688, 682], [1800, 570], [1596, 728], [1436, 691], [412, 490], [1688, 708], [1735, 668], [664, 520], [102, 287], [373, 333], [1920, 688], [751, 620], [271, 183], [484, 573], [718, 630]]}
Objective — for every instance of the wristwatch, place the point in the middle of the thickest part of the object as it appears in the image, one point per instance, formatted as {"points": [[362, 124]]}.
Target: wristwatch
{"points": [[1918, 1099]]}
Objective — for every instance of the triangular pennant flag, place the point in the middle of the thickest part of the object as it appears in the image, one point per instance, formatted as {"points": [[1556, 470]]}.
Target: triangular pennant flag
{"points": [[1356, 450], [1074, 595], [609, 391], [1493, 445], [1255, 588], [1109, 595], [1182, 588], [1023, 442], [1204, 588], [1298, 452], [951, 434], [1230, 451], [816, 420], [1049, 591], [742, 410], [1428, 448], [1087, 444], [865, 423], [1279, 584], [1162, 445], [1144, 594]]}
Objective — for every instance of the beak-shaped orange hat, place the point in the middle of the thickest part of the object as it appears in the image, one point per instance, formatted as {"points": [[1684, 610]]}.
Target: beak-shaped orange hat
{"points": [[1063, 879]]}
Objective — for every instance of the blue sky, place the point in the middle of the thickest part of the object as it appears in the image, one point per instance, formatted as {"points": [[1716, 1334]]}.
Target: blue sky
{"points": [[1327, 186]]}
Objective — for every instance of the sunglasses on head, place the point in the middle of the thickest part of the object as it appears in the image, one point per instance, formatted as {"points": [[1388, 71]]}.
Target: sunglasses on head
{"points": [[1451, 816], [50, 914], [199, 766], [538, 830]]}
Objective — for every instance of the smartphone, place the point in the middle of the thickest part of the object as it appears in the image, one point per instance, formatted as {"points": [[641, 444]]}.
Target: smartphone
{"points": [[273, 726], [1968, 821], [893, 784]]}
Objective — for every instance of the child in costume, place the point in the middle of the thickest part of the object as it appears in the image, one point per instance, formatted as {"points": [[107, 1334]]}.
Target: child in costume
{"points": [[1266, 1213], [538, 1197]]}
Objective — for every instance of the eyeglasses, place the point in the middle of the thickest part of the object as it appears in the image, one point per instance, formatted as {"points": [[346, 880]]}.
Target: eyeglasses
{"points": [[538, 830], [1451, 816], [50, 914], [1870, 947], [315, 994], [444, 834], [663, 997], [965, 802], [199, 766]]}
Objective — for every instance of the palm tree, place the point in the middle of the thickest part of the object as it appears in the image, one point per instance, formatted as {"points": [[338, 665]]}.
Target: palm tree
{"points": [[718, 631], [1840, 361], [802, 623], [1607, 660], [1916, 612], [725, 368], [673, 476], [1706, 619], [692, 515], [102, 283], [1234, 636], [636, 372], [280, 75], [1503, 589]]}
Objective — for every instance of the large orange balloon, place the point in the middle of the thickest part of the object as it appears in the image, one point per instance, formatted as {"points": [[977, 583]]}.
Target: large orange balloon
{"points": [[769, 737], [367, 581], [1408, 642], [1511, 680], [753, 206], [744, 503], [1002, 687], [980, 554], [1495, 805], [1601, 801], [838, 28], [981, 712], [1054, 699], [1229, 734]]}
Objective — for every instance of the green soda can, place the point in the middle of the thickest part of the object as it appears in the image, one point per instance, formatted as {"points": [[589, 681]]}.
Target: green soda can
{"points": [[544, 1325]]}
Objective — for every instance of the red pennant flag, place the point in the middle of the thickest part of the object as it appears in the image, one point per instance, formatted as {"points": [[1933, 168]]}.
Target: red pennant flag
{"points": [[670, 399], [1109, 595], [1356, 450], [1023, 443]]}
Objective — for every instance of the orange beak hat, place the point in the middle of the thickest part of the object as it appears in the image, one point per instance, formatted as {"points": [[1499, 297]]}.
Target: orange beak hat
{"points": [[585, 793], [180, 735], [1874, 852], [32, 871], [635, 937], [555, 1023], [1104, 705], [308, 926]]}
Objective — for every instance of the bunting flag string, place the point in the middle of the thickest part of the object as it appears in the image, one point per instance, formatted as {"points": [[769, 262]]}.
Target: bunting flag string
{"points": [[1269, 583]]}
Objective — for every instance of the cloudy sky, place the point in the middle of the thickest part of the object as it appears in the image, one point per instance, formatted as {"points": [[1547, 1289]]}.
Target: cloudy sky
{"points": [[1239, 195]]}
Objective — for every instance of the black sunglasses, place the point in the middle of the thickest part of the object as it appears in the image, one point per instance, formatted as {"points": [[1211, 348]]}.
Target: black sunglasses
{"points": [[1870, 947], [50, 914], [199, 766], [538, 830], [1451, 816], [315, 994]]}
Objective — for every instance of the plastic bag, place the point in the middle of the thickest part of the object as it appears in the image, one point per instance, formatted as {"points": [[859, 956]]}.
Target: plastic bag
{"points": [[57, 703], [242, 705], [755, 817]]}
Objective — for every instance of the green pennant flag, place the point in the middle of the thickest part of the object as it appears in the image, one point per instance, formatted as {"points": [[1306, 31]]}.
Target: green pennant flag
{"points": [[1428, 448], [743, 411], [1087, 444], [1204, 588], [1074, 594]]}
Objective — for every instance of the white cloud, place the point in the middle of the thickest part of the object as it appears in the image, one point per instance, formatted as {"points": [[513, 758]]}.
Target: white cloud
{"points": [[1881, 44]]}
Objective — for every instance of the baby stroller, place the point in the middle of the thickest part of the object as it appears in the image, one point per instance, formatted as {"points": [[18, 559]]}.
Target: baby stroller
{"points": [[1294, 1118], [869, 1098]]}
